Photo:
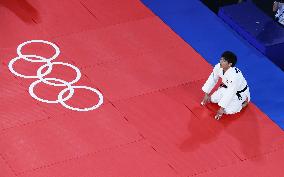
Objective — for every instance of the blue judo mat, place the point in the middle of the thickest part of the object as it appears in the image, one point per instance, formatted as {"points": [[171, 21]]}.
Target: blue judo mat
{"points": [[210, 36]]}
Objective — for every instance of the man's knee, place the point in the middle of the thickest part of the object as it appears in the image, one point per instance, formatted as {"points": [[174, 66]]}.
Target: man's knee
{"points": [[233, 109], [217, 95], [215, 98]]}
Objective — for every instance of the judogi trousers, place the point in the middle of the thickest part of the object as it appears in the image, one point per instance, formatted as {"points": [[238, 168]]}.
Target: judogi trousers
{"points": [[236, 104]]}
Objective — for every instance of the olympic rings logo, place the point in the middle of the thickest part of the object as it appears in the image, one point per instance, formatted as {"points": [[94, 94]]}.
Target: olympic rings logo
{"points": [[40, 75]]}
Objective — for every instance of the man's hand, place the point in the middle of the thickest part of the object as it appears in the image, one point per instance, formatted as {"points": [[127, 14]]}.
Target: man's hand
{"points": [[205, 99], [275, 6], [219, 114]]}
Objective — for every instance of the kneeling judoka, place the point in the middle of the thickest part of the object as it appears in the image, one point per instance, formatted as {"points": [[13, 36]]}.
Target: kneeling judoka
{"points": [[233, 94]]}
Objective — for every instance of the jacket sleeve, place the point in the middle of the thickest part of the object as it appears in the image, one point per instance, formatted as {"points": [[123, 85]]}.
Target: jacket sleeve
{"points": [[230, 92], [212, 80]]}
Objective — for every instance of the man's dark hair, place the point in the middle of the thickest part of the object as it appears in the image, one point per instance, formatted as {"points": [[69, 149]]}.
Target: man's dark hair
{"points": [[230, 57]]}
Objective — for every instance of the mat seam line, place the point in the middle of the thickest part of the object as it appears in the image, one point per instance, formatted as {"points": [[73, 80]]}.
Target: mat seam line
{"points": [[80, 156]]}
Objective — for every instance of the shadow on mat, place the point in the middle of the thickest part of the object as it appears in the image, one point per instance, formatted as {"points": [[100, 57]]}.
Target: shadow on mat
{"points": [[242, 128], [22, 9]]}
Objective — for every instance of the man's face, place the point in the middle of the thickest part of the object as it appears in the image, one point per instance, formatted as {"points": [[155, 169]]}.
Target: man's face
{"points": [[224, 64]]}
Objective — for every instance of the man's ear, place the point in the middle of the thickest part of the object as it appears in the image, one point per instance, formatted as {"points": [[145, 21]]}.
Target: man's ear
{"points": [[230, 64]]}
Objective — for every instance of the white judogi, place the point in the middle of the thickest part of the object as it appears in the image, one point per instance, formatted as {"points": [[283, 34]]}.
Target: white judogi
{"points": [[280, 13], [227, 97]]}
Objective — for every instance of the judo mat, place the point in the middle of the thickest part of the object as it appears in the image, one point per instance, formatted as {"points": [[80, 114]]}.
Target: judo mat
{"points": [[101, 88], [210, 37]]}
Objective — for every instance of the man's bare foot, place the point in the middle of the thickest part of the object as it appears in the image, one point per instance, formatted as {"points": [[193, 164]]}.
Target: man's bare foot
{"points": [[244, 104], [219, 114]]}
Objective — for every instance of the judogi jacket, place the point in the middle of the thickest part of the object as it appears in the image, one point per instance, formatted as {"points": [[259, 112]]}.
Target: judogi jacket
{"points": [[232, 79]]}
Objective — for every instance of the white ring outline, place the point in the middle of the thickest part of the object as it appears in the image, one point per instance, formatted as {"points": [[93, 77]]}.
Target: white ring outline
{"points": [[101, 100], [10, 65], [69, 87], [19, 48], [39, 74]]}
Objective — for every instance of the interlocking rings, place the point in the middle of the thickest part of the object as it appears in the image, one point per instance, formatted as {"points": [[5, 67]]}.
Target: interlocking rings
{"points": [[59, 82]]}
